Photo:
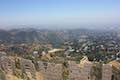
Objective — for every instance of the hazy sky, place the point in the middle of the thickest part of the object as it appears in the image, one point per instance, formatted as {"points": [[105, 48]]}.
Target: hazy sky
{"points": [[59, 12]]}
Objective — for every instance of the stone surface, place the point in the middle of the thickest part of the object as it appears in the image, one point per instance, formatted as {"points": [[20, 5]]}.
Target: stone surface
{"points": [[51, 71], [106, 72], [28, 68], [80, 71], [74, 71], [7, 65]]}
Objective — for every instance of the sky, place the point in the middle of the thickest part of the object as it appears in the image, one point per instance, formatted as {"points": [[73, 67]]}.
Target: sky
{"points": [[58, 13]]}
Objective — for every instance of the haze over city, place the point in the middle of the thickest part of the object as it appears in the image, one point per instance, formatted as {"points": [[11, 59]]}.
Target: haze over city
{"points": [[59, 13]]}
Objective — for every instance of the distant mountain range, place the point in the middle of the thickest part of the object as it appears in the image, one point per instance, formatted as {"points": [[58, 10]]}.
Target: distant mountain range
{"points": [[28, 35], [32, 35]]}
